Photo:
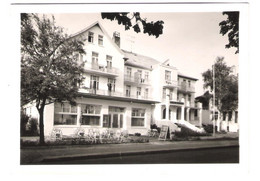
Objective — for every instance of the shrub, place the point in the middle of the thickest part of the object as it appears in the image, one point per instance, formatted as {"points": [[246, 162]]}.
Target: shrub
{"points": [[24, 120], [186, 132], [208, 128], [137, 134], [154, 126], [33, 127]]}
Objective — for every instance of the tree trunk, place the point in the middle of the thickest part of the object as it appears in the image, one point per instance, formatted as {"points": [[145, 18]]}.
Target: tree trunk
{"points": [[42, 141]]}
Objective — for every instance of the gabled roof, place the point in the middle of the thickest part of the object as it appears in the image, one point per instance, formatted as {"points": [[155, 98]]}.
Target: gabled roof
{"points": [[103, 30], [187, 77], [137, 60]]}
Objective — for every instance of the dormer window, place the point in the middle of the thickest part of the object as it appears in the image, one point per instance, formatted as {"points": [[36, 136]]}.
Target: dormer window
{"points": [[90, 37]]}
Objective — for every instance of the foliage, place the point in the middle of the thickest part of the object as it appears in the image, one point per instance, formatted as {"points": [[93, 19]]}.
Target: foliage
{"points": [[208, 128], [137, 134], [49, 68], [154, 126], [226, 85], [24, 120], [230, 26], [135, 21], [186, 132], [33, 127], [84, 141]]}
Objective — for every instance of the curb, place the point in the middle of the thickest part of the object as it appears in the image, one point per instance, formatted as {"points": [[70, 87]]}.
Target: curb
{"points": [[130, 153]]}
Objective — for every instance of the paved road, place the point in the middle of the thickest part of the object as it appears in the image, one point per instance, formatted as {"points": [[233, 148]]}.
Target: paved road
{"points": [[209, 155]]}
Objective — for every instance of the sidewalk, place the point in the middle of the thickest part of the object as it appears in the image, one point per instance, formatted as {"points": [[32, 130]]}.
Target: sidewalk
{"points": [[38, 155]]}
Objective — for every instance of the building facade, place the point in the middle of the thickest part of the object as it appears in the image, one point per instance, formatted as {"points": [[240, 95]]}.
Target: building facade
{"points": [[123, 90]]}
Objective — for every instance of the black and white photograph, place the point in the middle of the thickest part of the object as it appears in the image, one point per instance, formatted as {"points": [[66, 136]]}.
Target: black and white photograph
{"points": [[129, 87], [142, 86]]}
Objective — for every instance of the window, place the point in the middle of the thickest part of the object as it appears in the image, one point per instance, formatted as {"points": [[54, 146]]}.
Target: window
{"points": [[146, 93], [116, 109], [109, 61], [189, 83], [94, 58], [94, 82], [90, 37], [111, 84], [171, 94], [196, 113], [65, 114], [100, 40], [164, 114], [146, 76], [189, 98], [138, 92], [236, 116], [90, 114], [167, 75], [128, 91], [229, 116], [184, 82], [178, 97], [138, 116], [224, 116], [139, 74], [128, 71], [106, 121], [164, 93]]}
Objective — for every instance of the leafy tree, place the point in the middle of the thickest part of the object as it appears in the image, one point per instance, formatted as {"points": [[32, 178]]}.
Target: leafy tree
{"points": [[226, 85], [231, 26], [49, 68], [135, 21]]}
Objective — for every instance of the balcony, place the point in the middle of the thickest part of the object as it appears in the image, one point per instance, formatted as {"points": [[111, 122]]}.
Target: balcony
{"points": [[102, 70], [184, 87], [114, 95], [136, 80], [170, 84]]}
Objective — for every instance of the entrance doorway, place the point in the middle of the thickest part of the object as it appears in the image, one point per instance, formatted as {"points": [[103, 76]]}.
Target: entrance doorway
{"points": [[116, 117], [116, 120]]}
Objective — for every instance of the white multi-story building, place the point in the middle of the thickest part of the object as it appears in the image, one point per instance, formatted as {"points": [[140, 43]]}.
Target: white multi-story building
{"points": [[123, 90]]}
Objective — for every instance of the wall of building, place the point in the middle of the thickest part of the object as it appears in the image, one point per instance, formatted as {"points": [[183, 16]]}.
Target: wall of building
{"points": [[142, 86], [108, 48], [70, 129]]}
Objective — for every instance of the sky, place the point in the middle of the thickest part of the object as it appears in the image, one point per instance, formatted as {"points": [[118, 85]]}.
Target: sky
{"points": [[191, 40]]}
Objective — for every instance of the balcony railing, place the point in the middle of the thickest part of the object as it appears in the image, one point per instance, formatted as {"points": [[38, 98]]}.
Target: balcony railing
{"points": [[112, 93], [136, 80], [186, 87], [170, 83], [102, 69]]}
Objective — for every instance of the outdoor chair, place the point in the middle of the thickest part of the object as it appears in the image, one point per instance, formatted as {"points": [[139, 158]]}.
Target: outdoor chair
{"points": [[119, 135], [56, 134], [125, 133], [152, 133], [97, 136], [105, 135], [79, 133], [91, 136]]}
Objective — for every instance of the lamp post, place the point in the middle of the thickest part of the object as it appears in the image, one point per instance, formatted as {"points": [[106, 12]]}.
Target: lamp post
{"points": [[214, 112]]}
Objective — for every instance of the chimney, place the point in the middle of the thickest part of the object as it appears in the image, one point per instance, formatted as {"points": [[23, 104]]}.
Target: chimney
{"points": [[116, 38]]}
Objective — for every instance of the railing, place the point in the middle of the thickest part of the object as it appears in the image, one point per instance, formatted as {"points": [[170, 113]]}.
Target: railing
{"points": [[171, 83], [112, 93], [103, 69], [185, 87], [136, 80]]}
